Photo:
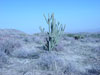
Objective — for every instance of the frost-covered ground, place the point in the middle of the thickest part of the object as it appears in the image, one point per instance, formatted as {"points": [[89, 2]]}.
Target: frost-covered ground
{"points": [[22, 54]]}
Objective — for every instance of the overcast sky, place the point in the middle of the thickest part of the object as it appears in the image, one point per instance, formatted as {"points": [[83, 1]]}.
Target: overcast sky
{"points": [[27, 15]]}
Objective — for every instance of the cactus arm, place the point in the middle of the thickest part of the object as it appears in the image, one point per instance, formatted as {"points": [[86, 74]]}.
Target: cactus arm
{"points": [[45, 18], [41, 29]]}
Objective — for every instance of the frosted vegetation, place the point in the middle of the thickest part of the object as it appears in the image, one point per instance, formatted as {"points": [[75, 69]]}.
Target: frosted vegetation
{"points": [[23, 54]]}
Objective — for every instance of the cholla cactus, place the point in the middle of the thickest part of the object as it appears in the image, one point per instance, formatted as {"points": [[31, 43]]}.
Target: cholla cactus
{"points": [[54, 34]]}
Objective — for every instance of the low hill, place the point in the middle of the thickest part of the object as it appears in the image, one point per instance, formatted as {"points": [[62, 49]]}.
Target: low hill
{"points": [[23, 54]]}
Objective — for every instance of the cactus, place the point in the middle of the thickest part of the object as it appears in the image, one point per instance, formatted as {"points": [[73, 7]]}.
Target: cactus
{"points": [[55, 32]]}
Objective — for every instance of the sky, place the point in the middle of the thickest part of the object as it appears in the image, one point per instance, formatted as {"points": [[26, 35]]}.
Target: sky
{"points": [[27, 15]]}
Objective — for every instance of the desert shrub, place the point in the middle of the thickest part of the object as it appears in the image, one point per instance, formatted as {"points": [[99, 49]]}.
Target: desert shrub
{"points": [[70, 35], [76, 37], [9, 45], [3, 59], [37, 40], [46, 62], [93, 72], [27, 39], [49, 61], [55, 32], [95, 35], [25, 53]]}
